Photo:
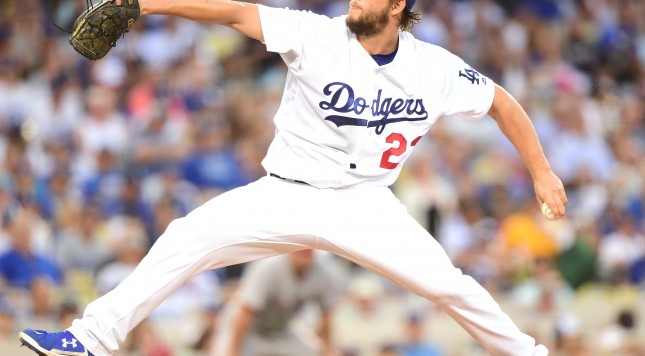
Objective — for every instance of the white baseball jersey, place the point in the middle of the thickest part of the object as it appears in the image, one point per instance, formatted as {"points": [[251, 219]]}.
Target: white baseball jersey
{"points": [[346, 121]]}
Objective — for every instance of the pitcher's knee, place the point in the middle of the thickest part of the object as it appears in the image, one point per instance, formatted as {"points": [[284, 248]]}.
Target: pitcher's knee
{"points": [[451, 288], [190, 234], [186, 230]]}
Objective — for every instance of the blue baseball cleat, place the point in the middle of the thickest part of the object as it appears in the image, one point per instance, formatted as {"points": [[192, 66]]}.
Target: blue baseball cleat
{"points": [[52, 344]]}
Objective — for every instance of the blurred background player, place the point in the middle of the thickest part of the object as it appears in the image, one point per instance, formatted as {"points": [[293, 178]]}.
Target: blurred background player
{"points": [[272, 294]]}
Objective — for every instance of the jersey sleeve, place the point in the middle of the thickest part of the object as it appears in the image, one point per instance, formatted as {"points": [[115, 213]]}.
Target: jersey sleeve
{"points": [[465, 92], [287, 31]]}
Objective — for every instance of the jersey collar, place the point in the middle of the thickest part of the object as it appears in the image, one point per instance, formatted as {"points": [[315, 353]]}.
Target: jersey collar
{"points": [[367, 60]]}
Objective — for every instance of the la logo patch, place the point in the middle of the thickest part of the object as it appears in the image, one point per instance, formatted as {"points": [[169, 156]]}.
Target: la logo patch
{"points": [[472, 75]]}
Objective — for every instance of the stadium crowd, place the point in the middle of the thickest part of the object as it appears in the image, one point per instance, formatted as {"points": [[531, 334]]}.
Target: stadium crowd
{"points": [[98, 157]]}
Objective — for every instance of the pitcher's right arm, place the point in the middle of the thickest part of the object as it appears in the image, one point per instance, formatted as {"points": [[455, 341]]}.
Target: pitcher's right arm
{"points": [[240, 16]]}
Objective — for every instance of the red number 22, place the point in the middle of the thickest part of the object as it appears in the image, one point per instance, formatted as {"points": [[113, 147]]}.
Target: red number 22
{"points": [[396, 150]]}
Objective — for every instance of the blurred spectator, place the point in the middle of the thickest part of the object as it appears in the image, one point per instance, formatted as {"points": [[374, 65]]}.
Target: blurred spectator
{"points": [[106, 183], [24, 270], [129, 244], [7, 318], [521, 235], [67, 312], [164, 211], [617, 41], [627, 181], [158, 142], [588, 198], [637, 272], [24, 185], [544, 291], [366, 319], [464, 227], [427, 195], [145, 340], [615, 337], [168, 187], [467, 236], [479, 261], [214, 164], [80, 247], [576, 149], [582, 37], [388, 350], [618, 250], [65, 105], [415, 343], [8, 325], [569, 334], [16, 173], [103, 130], [55, 196], [129, 202], [58, 154], [577, 263], [206, 338]]}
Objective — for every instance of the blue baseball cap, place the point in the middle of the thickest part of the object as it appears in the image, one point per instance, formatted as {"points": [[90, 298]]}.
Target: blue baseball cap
{"points": [[410, 3]]}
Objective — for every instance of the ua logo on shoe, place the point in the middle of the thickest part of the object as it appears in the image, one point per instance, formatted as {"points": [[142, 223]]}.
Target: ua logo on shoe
{"points": [[66, 343]]}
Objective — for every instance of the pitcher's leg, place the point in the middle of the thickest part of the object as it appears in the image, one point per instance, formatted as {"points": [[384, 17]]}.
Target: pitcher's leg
{"points": [[387, 240], [227, 230], [107, 321]]}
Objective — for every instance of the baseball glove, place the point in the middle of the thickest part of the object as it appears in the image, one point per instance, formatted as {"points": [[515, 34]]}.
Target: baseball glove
{"points": [[98, 28]]}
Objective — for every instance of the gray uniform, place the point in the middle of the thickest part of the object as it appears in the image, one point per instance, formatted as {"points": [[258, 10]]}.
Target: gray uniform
{"points": [[270, 287]]}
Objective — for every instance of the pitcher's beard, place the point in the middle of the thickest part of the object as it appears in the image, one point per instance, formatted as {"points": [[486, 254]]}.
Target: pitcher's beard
{"points": [[369, 24]]}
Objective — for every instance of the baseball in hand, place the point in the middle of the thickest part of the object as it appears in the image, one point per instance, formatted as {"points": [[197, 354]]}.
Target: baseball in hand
{"points": [[548, 213]]}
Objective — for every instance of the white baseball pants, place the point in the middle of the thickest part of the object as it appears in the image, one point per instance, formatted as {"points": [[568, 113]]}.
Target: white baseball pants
{"points": [[272, 216]]}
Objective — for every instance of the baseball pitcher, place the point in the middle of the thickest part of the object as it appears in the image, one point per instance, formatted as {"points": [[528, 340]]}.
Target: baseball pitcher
{"points": [[360, 93]]}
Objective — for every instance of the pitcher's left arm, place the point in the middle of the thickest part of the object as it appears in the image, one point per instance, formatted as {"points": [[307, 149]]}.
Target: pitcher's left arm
{"points": [[518, 128]]}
